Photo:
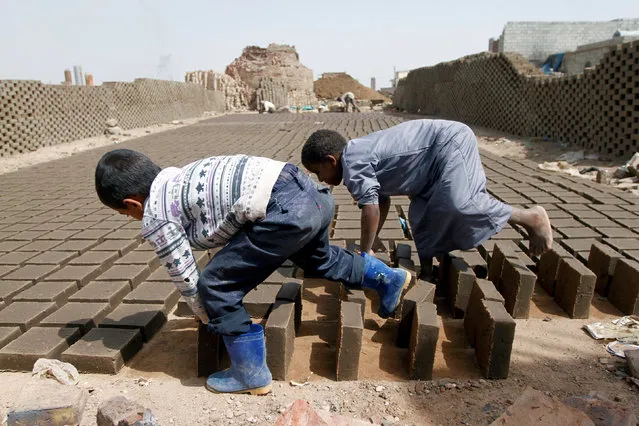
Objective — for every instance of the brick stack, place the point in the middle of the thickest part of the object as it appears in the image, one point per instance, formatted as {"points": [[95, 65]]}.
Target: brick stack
{"points": [[595, 110], [33, 115]]}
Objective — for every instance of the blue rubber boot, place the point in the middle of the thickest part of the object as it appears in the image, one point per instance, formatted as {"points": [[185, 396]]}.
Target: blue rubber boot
{"points": [[248, 372], [388, 282]]}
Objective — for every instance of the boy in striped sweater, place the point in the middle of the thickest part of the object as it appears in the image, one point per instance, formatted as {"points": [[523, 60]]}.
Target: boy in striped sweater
{"points": [[263, 212]]}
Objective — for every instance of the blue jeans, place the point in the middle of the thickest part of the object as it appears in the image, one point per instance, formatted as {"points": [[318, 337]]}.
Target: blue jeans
{"points": [[296, 227]]}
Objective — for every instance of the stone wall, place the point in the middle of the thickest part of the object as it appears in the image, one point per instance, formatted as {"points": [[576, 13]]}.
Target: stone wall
{"points": [[237, 95], [537, 40], [33, 115], [598, 110]]}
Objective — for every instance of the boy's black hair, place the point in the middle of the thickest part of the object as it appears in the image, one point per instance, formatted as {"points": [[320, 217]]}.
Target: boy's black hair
{"points": [[123, 173], [320, 144]]}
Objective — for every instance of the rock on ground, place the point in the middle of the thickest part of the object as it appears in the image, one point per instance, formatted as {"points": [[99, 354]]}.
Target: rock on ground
{"points": [[47, 402]]}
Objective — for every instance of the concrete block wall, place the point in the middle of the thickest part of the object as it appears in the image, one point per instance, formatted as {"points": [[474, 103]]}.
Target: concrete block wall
{"points": [[596, 110], [33, 114], [537, 40]]}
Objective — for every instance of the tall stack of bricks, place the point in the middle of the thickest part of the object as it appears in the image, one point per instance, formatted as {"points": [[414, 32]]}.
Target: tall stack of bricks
{"points": [[595, 110], [33, 115]]}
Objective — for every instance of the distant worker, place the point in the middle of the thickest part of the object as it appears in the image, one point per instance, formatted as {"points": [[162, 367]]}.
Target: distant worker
{"points": [[266, 106], [348, 98]]}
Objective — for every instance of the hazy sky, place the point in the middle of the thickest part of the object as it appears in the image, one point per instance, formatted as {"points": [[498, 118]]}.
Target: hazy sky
{"points": [[125, 39]]}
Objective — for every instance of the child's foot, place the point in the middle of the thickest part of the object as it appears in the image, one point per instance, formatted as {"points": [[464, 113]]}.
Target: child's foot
{"points": [[539, 230]]}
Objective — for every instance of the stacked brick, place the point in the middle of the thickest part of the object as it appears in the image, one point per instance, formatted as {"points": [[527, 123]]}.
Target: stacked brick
{"points": [[237, 95], [33, 115], [595, 110]]}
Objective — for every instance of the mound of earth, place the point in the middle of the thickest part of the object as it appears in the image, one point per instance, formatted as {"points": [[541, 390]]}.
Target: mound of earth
{"points": [[334, 84]]}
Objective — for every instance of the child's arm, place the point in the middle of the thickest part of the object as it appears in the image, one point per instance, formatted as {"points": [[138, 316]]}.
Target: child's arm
{"points": [[173, 249]]}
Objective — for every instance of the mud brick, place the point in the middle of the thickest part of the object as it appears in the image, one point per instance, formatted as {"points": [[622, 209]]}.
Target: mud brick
{"points": [[347, 214], [549, 267], [8, 334], [60, 234], [348, 224], [501, 252], [135, 274], [121, 246], [349, 341], [394, 234], [507, 234], [103, 350], [621, 215], [154, 292], [16, 258], [183, 309], [355, 296], [9, 246], [409, 266], [25, 314], [83, 315], [94, 257], [579, 233], [159, 275], [421, 292], [52, 258], [79, 246], [57, 292], [566, 223], [624, 287], [402, 251], [628, 223], [482, 290], [90, 234], [588, 214], [140, 257], [423, 341], [26, 236], [385, 257], [80, 274], [39, 342], [632, 254], [201, 258], [615, 232], [259, 301], [33, 273], [347, 234], [280, 339], [602, 261], [575, 246], [111, 292], [460, 284], [8, 289], [476, 262], [494, 339], [632, 357], [146, 318], [599, 223], [575, 287], [623, 243], [124, 234], [558, 214], [291, 291], [211, 351], [280, 276], [517, 285]]}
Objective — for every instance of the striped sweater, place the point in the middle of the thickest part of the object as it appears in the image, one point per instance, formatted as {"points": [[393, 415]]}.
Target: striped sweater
{"points": [[202, 205]]}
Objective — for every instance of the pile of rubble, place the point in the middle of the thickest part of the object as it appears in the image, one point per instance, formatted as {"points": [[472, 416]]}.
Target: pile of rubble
{"points": [[272, 74], [334, 84]]}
